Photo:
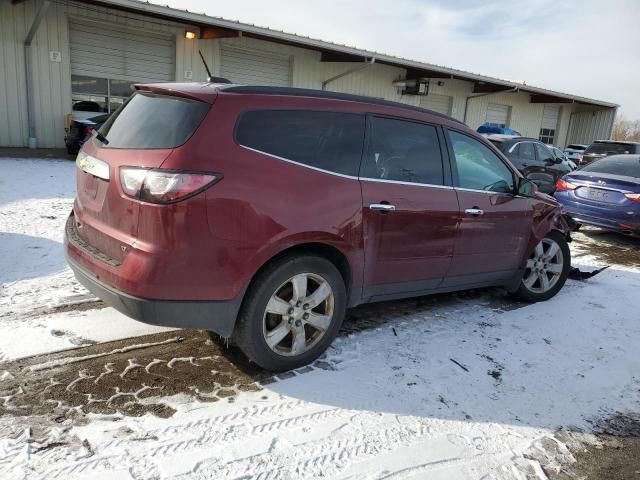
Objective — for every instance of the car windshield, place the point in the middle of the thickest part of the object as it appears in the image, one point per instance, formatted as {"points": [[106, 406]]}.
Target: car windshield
{"points": [[608, 148], [576, 147], [623, 165]]}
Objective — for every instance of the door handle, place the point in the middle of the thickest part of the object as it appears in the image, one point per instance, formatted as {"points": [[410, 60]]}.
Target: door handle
{"points": [[474, 211], [382, 207]]}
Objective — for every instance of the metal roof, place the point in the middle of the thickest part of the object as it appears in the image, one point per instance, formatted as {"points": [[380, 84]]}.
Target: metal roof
{"points": [[203, 19]]}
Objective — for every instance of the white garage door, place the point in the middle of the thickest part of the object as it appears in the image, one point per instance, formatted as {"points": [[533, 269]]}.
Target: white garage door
{"points": [[498, 114], [252, 67], [550, 117], [437, 103], [114, 52]]}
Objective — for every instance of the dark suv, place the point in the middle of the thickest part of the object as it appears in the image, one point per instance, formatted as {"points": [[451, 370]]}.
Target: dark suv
{"points": [[262, 213], [604, 148], [535, 160]]}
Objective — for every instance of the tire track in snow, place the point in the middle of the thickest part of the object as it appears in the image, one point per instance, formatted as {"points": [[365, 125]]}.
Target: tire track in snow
{"points": [[220, 438], [325, 456]]}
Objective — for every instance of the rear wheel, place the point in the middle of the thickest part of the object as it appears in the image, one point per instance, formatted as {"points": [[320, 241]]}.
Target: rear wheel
{"points": [[546, 270], [292, 312]]}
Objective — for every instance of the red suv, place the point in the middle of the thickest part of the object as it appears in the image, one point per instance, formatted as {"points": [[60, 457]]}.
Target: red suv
{"points": [[262, 213]]}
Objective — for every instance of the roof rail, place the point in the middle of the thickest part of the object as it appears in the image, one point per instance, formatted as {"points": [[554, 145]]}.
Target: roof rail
{"points": [[307, 92]]}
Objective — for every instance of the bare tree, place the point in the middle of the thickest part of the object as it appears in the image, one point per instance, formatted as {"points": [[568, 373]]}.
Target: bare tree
{"points": [[624, 129]]}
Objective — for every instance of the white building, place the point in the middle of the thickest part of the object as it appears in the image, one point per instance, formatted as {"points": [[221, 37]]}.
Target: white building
{"points": [[54, 53]]}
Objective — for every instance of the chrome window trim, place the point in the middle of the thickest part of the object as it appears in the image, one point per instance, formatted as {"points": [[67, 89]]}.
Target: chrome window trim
{"points": [[488, 192], [322, 170], [350, 177], [400, 182]]}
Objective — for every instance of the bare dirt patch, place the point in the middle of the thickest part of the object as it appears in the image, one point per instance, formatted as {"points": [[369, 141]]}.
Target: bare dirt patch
{"points": [[610, 247], [128, 377], [613, 454]]}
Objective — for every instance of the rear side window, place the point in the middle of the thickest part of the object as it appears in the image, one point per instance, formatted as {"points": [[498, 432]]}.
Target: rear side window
{"points": [[328, 140], [153, 121], [526, 151], [403, 151], [616, 165], [609, 148]]}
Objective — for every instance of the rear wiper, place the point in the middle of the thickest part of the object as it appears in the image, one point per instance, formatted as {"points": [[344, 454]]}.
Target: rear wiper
{"points": [[101, 138]]}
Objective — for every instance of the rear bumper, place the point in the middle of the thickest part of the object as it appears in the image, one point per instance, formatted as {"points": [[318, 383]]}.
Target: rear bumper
{"points": [[217, 316], [92, 267], [608, 220]]}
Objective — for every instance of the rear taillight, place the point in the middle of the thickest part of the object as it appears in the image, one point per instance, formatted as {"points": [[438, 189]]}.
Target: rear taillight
{"points": [[634, 197], [88, 130], [164, 186], [563, 185]]}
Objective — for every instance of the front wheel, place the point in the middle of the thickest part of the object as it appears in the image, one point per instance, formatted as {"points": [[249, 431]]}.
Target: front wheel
{"points": [[292, 312], [546, 270]]}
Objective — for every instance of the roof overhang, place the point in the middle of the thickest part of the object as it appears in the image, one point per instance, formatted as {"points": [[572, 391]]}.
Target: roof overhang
{"points": [[216, 27]]}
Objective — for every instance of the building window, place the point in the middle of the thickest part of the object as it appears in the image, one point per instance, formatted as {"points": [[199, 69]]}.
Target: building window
{"points": [[547, 135], [98, 94]]}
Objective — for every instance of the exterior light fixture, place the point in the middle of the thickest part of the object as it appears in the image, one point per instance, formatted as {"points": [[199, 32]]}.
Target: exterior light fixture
{"points": [[190, 35]]}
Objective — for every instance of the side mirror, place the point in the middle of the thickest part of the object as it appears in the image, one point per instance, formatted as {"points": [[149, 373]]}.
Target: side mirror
{"points": [[526, 188]]}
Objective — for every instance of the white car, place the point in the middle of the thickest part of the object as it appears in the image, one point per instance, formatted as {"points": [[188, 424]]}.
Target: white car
{"points": [[574, 152]]}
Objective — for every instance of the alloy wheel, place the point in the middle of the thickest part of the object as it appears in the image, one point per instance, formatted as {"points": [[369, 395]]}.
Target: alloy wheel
{"points": [[544, 266], [298, 314]]}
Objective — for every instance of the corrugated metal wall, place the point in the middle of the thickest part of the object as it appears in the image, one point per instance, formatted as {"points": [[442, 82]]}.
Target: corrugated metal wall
{"points": [[586, 126], [53, 80]]}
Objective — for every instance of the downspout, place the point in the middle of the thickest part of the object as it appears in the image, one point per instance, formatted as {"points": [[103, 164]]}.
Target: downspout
{"points": [[31, 116], [348, 72], [466, 103]]}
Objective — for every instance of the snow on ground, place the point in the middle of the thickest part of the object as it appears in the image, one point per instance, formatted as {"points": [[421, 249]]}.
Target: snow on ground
{"points": [[36, 197], [465, 388]]}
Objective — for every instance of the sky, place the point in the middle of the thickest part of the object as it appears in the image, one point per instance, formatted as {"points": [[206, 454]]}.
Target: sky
{"points": [[589, 48]]}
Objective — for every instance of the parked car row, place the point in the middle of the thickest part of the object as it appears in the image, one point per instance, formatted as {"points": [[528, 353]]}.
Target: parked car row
{"points": [[535, 160], [544, 164]]}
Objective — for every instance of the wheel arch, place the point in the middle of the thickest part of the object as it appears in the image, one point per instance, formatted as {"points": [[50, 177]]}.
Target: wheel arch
{"points": [[330, 252]]}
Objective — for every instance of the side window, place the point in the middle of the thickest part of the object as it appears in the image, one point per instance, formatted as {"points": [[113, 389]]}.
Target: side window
{"points": [[327, 140], [478, 167], [403, 151], [527, 151], [544, 154]]}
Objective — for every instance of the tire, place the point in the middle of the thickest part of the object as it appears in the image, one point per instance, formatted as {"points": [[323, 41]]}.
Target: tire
{"points": [[277, 284], [536, 292]]}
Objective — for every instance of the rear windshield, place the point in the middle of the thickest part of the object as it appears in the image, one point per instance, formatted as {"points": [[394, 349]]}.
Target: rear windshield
{"points": [[608, 148], [627, 166], [153, 121], [576, 147]]}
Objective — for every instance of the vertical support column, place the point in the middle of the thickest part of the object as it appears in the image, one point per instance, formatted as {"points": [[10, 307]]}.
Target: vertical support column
{"points": [[28, 57]]}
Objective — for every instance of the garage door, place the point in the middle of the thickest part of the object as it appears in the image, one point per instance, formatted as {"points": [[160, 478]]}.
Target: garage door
{"points": [[498, 114], [107, 51], [550, 117], [437, 103], [252, 67]]}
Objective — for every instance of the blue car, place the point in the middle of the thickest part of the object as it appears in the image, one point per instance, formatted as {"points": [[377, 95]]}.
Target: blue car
{"points": [[493, 128], [605, 193]]}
